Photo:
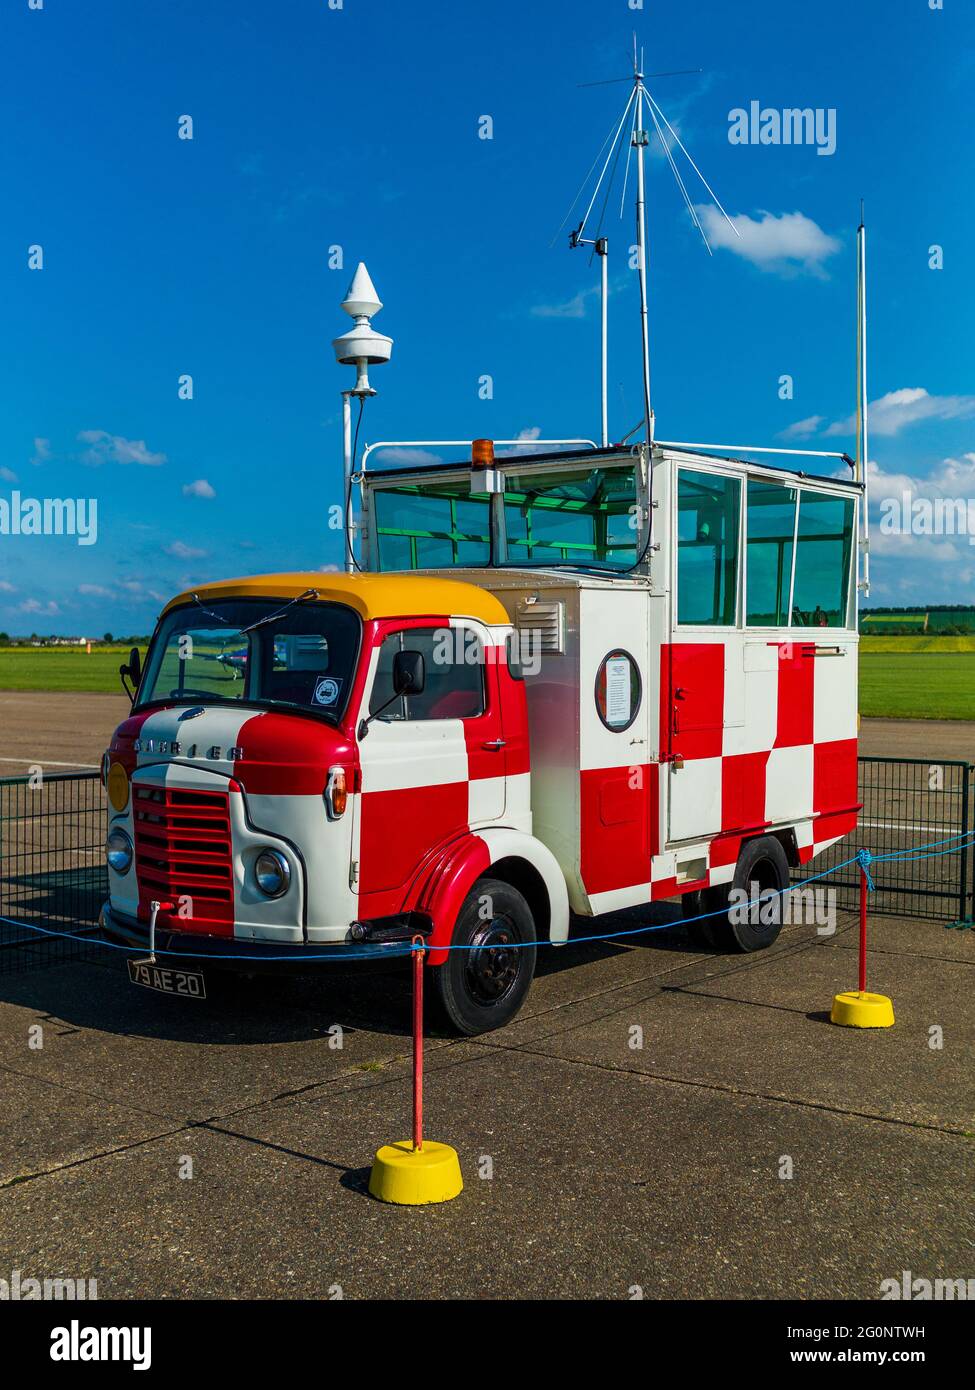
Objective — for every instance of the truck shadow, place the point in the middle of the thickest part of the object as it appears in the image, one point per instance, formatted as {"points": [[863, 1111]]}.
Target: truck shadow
{"points": [[253, 1011]]}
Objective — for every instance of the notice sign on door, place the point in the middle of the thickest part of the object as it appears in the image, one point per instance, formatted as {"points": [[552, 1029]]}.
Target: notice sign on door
{"points": [[618, 690], [618, 699]]}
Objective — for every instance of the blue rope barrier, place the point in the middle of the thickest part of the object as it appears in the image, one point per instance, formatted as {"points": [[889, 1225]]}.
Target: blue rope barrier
{"points": [[863, 858]]}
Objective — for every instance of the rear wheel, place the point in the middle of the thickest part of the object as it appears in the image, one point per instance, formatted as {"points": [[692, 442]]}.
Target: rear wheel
{"points": [[762, 873], [482, 985], [697, 907]]}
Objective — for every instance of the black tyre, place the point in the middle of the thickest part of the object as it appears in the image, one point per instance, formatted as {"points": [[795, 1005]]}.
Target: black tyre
{"points": [[696, 905], [483, 985], [762, 872]]}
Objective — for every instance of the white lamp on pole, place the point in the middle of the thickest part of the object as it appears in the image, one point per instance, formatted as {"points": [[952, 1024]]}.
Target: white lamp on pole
{"points": [[361, 348]]}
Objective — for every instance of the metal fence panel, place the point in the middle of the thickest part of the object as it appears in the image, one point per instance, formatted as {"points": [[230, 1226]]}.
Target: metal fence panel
{"points": [[908, 804], [52, 866], [53, 875]]}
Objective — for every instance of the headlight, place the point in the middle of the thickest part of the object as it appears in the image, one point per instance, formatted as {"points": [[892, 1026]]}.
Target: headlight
{"points": [[118, 851], [273, 873]]}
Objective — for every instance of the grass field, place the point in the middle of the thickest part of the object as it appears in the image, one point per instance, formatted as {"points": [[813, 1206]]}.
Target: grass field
{"points": [[921, 677], [61, 668], [917, 685], [923, 642]]}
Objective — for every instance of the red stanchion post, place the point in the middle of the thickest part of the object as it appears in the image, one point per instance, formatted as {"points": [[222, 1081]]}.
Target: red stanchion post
{"points": [[418, 954], [858, 1009], [412, 1174], [863, 930]]}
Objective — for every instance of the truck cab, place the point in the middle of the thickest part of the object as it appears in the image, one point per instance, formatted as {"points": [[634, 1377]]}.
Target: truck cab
{"points": [[324, 765], [529, 701]]}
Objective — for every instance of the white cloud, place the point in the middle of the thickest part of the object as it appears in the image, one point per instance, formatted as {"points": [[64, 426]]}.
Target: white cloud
{"points": [[199, 488], [529, 435], [418, 457], [891, 413], [952, 478], [6, 587], [574, 308], [94, 591], [182, 551], [42, 451], [7, 475], [114, 448], [34, 605], [802, 429], [784, 245]]}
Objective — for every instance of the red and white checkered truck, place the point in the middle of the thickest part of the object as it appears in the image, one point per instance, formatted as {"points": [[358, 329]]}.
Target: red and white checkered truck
{"points": [[559, 683]]}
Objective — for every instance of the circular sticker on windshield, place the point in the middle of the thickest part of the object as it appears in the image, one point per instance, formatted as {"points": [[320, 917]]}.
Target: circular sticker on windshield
{"points": [[326, 690]]}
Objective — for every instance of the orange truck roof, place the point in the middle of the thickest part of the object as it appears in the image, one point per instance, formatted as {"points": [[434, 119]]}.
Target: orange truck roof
{"points": [[371, 595]]}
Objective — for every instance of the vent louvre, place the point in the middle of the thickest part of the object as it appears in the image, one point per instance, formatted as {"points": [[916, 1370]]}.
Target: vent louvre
{"points": [[541, 626]]}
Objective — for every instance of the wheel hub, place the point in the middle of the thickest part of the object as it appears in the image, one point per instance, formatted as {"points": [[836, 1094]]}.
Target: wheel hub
{"points": [[492, 965]]}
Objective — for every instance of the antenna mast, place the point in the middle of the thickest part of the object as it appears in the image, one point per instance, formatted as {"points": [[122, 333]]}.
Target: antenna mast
{"points": [[639, 139], [863, 457], [640, 104]]}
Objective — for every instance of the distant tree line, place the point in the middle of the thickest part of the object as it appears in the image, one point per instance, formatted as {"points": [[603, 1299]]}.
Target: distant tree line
{"points": [[108, 640]]}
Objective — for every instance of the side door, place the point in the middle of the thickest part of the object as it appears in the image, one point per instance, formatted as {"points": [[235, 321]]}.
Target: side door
{"points": [[432, 764], [701, 671]]}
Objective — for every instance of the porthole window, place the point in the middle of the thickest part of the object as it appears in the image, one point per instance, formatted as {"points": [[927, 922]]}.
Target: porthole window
{"points": [[619, 690]]}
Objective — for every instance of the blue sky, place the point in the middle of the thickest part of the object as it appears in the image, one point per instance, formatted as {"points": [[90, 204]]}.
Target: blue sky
{"points": [[358, 127]]}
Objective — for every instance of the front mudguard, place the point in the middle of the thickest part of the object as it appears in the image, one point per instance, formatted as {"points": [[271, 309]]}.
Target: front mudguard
{"points": [[447, 878]]}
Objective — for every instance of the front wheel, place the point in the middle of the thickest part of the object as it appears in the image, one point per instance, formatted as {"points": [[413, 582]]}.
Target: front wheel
{"points": [[482, 984]]}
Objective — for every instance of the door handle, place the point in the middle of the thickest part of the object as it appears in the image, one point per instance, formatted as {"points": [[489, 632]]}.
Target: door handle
{"points": [[494, 744]]}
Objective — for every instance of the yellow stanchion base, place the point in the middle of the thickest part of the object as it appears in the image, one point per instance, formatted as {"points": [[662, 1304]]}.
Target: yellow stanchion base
{"points": [[856, 1010], [412, 1177]]}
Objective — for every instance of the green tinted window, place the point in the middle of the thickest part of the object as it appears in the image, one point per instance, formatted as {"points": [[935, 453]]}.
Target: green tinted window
{"points": [[584, 517], [823, 548], [436, 526], [579, 518], [771, 523], [708, 507]]}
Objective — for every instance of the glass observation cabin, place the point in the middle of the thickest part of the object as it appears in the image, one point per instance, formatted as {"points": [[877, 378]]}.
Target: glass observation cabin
{"points": [[740, 543]]}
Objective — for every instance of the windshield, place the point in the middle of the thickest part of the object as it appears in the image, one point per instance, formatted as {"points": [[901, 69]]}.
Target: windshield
{"points": [[255, 651], [577, 517]]}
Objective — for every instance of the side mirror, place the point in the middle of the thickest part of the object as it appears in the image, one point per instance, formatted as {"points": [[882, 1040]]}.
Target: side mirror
{"points": [[409, 678], [133, 670], [409, 673]]}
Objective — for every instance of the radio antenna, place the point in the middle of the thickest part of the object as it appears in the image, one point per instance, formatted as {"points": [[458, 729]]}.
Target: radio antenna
{"points": [[862, 454], [640, 104]]}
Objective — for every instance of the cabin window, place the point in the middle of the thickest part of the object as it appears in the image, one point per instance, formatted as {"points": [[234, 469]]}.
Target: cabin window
{"points": [[578, 516], [572, 517], [453, 660], [708, 509], [824, 546], [434, 527], [771, 524]]}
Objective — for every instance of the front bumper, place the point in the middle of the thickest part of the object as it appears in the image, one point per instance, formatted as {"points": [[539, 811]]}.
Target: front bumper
{"points": [[249, 957]]}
